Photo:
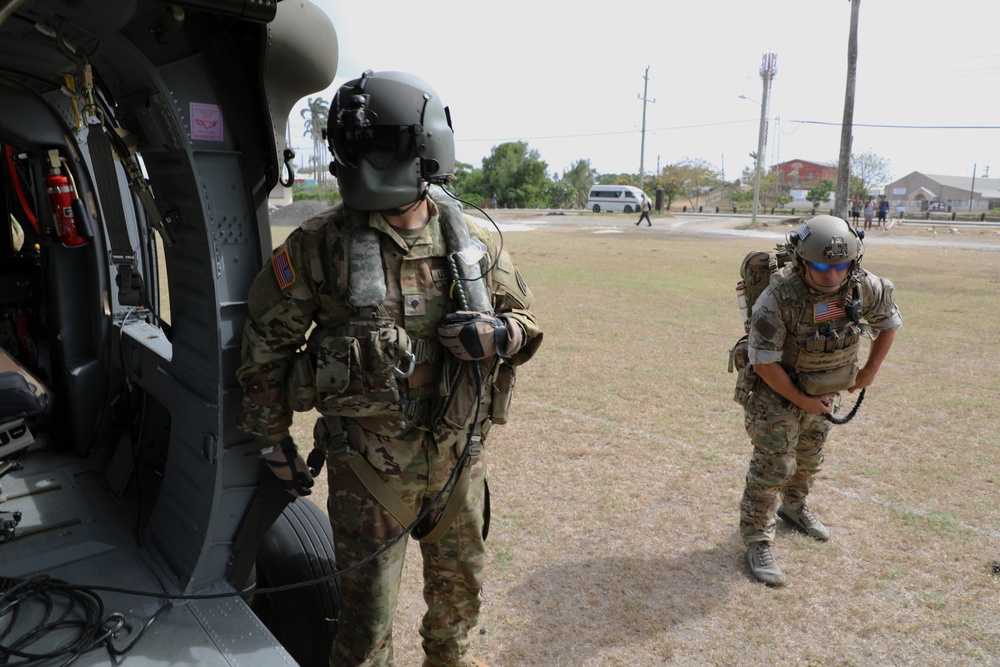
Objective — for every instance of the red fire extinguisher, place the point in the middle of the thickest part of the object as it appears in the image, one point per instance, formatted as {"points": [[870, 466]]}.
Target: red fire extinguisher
{"points": [[61, 198]]}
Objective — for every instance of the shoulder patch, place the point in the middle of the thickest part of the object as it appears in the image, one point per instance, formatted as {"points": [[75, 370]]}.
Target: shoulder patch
{"points": [[283, 270]]}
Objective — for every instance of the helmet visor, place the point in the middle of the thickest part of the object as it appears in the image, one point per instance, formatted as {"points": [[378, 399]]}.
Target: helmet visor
{"points": [[383, 146]]}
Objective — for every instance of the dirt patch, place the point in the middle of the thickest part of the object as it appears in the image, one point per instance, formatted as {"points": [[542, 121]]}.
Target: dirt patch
{"points": [[295, 213]]}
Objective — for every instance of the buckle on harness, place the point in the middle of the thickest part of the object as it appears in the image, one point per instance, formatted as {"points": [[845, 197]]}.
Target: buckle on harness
{"points": [[411, 360]]}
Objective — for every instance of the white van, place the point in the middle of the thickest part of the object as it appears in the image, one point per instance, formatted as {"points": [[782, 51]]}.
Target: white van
{"points": [[621, 198]]}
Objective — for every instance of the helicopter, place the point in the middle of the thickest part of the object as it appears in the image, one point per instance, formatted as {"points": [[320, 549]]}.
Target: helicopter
{"points": [[140, 142]]}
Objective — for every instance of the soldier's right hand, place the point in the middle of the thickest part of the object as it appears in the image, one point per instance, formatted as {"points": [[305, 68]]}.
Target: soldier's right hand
{"points": [[291, 470], [815, 405]]}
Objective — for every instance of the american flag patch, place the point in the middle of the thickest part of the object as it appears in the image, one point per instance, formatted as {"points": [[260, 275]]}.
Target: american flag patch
{"points": [[830, 310], [283, 270]]}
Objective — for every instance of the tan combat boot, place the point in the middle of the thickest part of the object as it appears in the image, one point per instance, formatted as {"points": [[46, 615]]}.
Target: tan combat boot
{"points": [[762, 564], [804, 521]]}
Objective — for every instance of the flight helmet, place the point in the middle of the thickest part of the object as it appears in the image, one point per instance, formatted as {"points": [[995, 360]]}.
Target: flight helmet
{"points": [[389, 135]]}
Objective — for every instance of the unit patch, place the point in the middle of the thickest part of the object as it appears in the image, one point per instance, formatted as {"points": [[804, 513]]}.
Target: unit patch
{"points": [[283, 271], [830, 310]]}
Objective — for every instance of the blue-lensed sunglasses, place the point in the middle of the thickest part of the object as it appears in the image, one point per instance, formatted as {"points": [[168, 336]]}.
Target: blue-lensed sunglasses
{"points": [[820, 266]]}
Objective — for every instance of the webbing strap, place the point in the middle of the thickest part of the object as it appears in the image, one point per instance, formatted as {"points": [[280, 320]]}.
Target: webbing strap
{"points": [[131, 291], [378, 488], [454, 505], [109, 194], [397, 508]]}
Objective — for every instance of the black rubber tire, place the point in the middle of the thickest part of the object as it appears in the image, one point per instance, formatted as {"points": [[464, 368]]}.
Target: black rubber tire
{"points": [[297, 548], [597, 208], [628, 209]]}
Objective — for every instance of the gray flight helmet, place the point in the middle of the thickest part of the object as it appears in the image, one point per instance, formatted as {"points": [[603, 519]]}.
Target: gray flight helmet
{"points": [[389, 134], [827, 239]]}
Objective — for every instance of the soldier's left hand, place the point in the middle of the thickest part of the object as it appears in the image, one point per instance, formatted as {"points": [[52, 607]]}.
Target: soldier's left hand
{"points": [[863, 379], [473, 336]]}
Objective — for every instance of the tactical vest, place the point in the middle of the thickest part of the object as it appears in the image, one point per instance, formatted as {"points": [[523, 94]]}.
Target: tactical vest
{"points": [[821, 344], [355, 359]]}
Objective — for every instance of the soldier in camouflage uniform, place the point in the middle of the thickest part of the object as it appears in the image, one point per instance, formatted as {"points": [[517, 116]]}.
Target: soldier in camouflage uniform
{"points": [[805, 332], [408, 366]]}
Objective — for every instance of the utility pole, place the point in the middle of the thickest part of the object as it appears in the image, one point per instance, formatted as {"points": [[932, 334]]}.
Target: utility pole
{"points": [[768, 68], [847, 128], [642, 148], [972, 190]]}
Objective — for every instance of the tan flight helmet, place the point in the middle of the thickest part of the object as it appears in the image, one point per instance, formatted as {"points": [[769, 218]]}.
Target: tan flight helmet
{"points": [[827, 239]]}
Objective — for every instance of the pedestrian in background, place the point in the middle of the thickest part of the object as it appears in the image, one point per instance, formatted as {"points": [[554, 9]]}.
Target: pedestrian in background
{"points": [[869, 213], [646, 207], [856, 211], [883, 212]]}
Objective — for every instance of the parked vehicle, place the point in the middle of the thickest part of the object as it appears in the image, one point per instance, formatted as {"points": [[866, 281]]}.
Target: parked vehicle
{"points": [[617, 198]]}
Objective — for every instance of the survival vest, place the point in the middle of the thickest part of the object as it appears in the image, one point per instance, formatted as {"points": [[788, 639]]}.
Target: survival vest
{"points": [[356, 356]]}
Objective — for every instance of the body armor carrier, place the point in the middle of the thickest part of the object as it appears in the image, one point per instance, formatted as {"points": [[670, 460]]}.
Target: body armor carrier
{"points": [[821, 357], [352, 366]]}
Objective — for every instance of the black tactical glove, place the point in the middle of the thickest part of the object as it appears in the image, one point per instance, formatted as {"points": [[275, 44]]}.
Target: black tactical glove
{"points": [[473, 336], [284, 461]]}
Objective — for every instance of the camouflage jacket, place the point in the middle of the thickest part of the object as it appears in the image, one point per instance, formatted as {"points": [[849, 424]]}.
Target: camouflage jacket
{"points": [[302, 292]]}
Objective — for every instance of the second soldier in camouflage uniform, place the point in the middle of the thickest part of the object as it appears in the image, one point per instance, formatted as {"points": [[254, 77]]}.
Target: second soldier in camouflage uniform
{"points": [[804, 336], [369, 288]]}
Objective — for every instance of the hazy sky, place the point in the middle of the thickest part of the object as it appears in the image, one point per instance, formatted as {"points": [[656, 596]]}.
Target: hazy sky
{"points": [[567, 78]]}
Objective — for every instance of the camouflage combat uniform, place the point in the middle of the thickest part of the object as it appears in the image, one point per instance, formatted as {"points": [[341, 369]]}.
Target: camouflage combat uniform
{"points": [[411, 431], [809, 333]]}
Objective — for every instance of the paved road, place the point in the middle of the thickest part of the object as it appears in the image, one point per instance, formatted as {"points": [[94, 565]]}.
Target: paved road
{"points": [[981, 236]]}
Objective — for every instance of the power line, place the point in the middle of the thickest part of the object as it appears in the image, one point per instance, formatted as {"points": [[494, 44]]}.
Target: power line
{"points": [[609, 134], [901, 127], [734, 122]]}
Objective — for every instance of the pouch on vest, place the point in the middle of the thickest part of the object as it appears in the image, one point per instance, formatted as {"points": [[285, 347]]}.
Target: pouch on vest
{"points": [[503, 391], [302, 383], [344, 386], [746, 377], [457, 394], [817, 383]]}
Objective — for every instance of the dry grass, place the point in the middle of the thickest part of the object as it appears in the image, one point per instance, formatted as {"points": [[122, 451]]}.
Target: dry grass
{"points": [[616, 486]]}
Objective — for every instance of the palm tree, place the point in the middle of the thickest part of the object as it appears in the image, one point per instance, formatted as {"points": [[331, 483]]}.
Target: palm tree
{"points": [[846, 130], [316, 115], [580, 177]]}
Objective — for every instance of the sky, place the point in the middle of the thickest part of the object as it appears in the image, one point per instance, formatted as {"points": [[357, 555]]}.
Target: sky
{"points": [[568, 78]]}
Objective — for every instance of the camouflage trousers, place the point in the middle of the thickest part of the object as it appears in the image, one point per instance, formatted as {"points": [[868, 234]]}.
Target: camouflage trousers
{"points": [[452, 567], [787, 455]]}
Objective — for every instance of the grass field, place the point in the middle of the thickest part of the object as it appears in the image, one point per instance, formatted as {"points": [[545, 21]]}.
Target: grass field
{"points": [[616, 485]]}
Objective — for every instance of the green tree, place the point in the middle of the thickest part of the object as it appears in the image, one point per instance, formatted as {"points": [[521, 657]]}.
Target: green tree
{"points": [[316, 115], [517, 175], [867, 171], [819, 194], [580, 177], [618, 179], [469, 184], [773, 191], [672, 179], [700, 178], [562, 194]]}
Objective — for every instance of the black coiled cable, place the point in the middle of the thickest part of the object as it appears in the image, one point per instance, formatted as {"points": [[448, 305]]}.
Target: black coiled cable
{"points": [[850, 415], [48, 606]]}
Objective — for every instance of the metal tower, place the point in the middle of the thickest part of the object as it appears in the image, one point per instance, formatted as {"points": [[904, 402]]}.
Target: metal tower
{"points": [[768, 68]]}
